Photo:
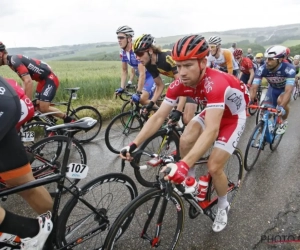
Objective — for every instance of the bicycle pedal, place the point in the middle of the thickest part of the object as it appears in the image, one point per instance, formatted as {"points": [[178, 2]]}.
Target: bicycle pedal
{"points": [[193, 213]]}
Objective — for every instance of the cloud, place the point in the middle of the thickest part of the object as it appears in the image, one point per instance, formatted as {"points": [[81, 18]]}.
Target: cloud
{"points": [[32, 23]]}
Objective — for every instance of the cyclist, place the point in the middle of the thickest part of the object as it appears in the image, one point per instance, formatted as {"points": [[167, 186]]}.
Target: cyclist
{"points": [[287, 58], [146, 86], [259, 61], [15, 170], [158, 61], [222, 122], [280, 77], [32, 69], [246, 74], [27, 108], [220, 58], [296, 63]]}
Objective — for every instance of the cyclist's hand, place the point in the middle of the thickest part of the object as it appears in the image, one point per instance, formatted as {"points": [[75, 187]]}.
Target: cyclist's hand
{"points": [[176, 172], [126, 151], [119, 91], [147, 108], [136, 98], [281, 110], [175, 116]]}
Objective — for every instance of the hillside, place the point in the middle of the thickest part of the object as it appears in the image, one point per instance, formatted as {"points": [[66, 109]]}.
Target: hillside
{"points": [[288, 35]]}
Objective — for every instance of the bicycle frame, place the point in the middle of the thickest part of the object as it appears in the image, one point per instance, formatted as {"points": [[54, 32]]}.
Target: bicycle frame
{"points": [[60, 179]]}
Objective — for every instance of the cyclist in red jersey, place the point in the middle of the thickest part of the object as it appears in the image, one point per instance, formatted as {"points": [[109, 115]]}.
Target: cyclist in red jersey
{"points": [[27, 108], [29, 69], [246, 67], [222, 122]]}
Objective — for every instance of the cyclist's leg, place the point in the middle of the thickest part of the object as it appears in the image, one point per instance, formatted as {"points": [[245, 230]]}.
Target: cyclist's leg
{"points": [[148, 91], [16, 170], [228, 138], [189, 110]]}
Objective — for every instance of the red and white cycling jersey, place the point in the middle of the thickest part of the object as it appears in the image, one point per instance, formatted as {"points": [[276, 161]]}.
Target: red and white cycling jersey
{"points": [[217, 89], [27, 108]]}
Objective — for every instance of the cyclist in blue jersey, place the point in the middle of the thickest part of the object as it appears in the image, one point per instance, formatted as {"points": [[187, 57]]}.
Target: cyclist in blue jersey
{"points": [[281, 77], [146, 85]]}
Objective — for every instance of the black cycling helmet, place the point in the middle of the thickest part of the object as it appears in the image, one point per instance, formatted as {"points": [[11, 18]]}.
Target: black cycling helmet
{"points": [[143, 43], [2, 47]]}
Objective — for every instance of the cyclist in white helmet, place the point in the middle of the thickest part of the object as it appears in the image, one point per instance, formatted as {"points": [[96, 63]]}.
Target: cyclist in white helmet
{"points": [[220, 58], [146, 85]]}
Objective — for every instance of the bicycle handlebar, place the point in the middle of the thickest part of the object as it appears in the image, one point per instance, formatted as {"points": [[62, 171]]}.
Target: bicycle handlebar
{"points": [[263, 108]]}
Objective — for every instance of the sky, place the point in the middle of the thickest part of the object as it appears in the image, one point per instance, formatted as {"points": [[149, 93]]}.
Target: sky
{"points": [[39, 23]]}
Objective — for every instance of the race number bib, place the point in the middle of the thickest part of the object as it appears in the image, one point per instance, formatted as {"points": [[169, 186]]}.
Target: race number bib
{"points": [[77, 171], [27, 136]]}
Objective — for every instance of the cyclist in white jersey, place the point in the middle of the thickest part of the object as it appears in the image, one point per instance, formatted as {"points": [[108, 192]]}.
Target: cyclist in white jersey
{"points": [[146, 85], [220, 58]]}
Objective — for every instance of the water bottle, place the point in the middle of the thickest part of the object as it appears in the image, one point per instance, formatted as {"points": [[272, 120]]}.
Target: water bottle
{"points": [[203, 186], [191, 185], [270, 125]]}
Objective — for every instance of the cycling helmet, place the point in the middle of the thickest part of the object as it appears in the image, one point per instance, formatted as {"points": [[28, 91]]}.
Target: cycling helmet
{"points": [[2, 46], [250, 56], [215, 40], [275, 52], [143, 43], [190, 47], [126, 30], [238, 52], [288, 51], [297, 57], [260, 55]]}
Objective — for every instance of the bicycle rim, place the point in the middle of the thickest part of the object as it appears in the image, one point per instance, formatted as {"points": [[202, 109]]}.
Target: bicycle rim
{"points": [[109, 194], [171, 229], [256, 142]]}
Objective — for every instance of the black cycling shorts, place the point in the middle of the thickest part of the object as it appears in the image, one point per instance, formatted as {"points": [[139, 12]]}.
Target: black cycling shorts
{"points": [[13, 158]]}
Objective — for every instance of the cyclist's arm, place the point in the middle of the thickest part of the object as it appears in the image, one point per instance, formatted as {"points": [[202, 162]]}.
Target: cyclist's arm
{"points": [[251, 76], [124, 74], [159, 88], [287, 95], [229, 61], [28, 86], [154, 123], [132, 74], [142, 77], [212, 124]]}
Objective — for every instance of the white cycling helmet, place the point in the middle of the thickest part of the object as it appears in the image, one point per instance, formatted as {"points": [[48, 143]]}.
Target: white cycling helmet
{"points": [[126, 30], [297, 57], [215, 40], [276, 52]]}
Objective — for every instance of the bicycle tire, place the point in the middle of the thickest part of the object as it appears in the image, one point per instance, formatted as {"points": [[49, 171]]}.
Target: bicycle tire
{"points": [[127, 106], [109, 134], [113, 238], [249, 167], [91, 112], [172, 137], [73, 205], [295, 93], [60, 139], [274, 146], [40, 124]]}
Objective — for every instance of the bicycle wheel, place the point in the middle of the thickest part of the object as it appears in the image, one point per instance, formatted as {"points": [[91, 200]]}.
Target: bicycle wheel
{"points": [[79, 226], [161, 143], [87, 111], [122, 129], [276, 138], [143, 211], [256, 142], [50, 151], [127, 106], [33, 132], [295, 93]]}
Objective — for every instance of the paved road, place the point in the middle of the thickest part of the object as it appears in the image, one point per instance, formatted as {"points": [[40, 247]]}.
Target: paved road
{"points": [[267, 209]]}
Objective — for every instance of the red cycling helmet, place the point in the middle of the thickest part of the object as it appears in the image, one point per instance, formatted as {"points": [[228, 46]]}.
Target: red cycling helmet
{"points": [[190, 47], [288, 51], [238, 52]]}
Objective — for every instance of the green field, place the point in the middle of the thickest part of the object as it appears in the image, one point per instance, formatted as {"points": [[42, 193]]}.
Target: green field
{"points": [[97, 82]]}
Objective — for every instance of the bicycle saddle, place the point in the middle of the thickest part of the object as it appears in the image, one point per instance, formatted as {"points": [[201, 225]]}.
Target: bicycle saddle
{"points": [[73, 89], [85, 123]]}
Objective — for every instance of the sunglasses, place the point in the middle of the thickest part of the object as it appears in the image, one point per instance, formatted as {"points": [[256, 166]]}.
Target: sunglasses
{"points": [[121, 37], [213, 46], [140, 53]]}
